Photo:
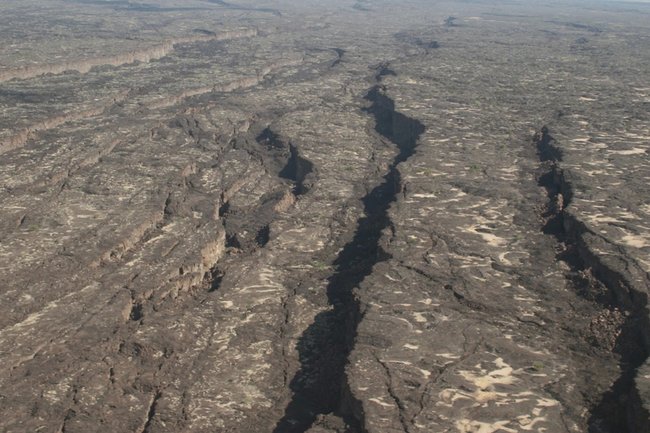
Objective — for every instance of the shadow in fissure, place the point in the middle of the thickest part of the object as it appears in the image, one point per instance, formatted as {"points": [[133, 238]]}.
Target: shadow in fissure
{"points": [[320, 386], [620, 408]]}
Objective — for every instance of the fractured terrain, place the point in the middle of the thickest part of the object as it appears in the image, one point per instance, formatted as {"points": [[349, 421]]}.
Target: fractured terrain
{"points": [[337, 216]]}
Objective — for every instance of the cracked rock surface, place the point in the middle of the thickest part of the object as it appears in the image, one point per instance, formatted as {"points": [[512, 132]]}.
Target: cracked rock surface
{"points": [[339, 216]]}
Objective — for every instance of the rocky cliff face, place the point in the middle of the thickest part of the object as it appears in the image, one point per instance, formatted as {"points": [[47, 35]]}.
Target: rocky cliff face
{"points": [[143, 55]]}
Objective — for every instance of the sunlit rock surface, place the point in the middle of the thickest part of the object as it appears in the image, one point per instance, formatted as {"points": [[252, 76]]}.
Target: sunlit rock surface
{"points": [[338, 216]]}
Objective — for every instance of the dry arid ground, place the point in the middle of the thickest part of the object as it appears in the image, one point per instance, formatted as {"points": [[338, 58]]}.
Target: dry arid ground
{"points": [[274, 216]]}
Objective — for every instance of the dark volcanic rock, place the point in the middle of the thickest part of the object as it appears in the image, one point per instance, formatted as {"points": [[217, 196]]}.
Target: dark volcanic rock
{"points": [[324, 217]]}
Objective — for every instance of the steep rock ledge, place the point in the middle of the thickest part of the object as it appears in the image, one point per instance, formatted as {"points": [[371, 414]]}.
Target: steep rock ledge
{"points": [[143, 55], [19, 138]]}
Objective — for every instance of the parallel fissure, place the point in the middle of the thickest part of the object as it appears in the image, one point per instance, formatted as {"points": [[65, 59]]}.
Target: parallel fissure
{"points": [[617, 411], [320, 387]]}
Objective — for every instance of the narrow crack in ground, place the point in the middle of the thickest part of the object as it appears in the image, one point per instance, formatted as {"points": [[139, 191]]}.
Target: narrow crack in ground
{"points": [[623, 321], [320, 386]]}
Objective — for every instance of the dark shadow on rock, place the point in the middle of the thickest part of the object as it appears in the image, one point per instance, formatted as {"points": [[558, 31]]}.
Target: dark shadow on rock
{"points": [[619, 409], [320, 386]]}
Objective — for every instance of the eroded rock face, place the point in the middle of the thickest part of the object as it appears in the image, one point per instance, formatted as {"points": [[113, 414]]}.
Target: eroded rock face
{"points": [[338, 217]]}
